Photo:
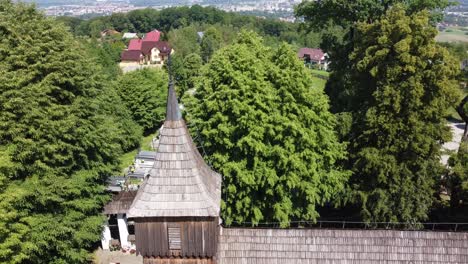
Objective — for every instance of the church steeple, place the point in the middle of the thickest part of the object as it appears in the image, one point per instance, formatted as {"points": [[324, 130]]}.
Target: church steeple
{"points": [[172, 107], [180, 182]]}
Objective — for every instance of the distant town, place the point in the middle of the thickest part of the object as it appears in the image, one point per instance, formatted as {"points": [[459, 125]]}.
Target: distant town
{"points": [[282, 9]]}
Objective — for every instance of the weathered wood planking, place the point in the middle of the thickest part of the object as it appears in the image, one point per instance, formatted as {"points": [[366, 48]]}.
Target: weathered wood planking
{"points": [[178, 261], [120, 203], [198, 237], [300, 246]]}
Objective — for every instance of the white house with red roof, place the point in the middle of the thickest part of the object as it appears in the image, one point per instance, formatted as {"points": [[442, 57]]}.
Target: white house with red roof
{"points": [[312, 56], [147, 51]]}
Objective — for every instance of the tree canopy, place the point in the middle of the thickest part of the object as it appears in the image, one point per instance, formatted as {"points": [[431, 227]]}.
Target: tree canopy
{"points": [[210, 43], [340, 18], [144, 93], [268, 132], [404, 84], [62, 129]]}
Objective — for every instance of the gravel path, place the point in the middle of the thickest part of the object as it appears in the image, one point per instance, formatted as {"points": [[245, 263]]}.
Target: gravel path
{"points": [[457, 130], [107, 257]]}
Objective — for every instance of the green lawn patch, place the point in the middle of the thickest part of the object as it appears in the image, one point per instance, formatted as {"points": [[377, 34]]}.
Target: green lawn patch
{"points": [[318, 82], [453, 34], [127, 158], [321, 73]]}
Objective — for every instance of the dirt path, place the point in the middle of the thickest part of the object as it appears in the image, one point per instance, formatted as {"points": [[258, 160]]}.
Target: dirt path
{"points": [[107, 257], [457, 130]]}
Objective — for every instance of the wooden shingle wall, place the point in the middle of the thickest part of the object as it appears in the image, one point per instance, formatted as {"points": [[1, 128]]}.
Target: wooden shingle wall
{"points": [[310, 246]]}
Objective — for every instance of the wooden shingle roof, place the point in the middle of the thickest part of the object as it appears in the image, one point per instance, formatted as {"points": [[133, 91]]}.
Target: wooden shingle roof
{"points": [[261, 246], [180, 184], [120, 203]]}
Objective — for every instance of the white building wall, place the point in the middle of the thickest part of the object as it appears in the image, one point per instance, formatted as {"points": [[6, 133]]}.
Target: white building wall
{"points": [[155, 56], [123, 230], [106, 237]]}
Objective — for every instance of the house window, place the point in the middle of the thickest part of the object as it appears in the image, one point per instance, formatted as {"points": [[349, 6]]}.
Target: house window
{"points": [[174, 238]]}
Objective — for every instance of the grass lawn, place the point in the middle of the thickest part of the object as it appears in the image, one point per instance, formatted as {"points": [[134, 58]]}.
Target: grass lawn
{"points": [[318, 82], [453, 113], [320, 72], [127, 158], [453, 34]]}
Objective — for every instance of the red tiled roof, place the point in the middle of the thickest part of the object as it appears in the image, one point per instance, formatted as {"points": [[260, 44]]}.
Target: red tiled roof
{"points": [[164, 47], [147, 46], [152, 36], [314, 54], [135, 44], [131, 55]]}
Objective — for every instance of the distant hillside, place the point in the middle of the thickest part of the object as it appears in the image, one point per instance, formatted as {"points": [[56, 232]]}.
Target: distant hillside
{"points": [[47, 3]]}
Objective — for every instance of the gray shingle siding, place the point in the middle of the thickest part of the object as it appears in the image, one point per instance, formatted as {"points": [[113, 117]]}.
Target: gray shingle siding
{"points": [[270, 246]]}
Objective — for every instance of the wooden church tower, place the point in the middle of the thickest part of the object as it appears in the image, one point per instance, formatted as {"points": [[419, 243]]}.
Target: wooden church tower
{"points": [[176, 209]]}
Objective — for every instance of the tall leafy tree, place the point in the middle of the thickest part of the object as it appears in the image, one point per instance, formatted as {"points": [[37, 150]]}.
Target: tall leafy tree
{"points": [[144, 93], [268, 132], [210, 43], [405, 83], [61, 131], [340, 17], [144, 20], [186, 71], [106, 54], [184, 41], [457, 179]]}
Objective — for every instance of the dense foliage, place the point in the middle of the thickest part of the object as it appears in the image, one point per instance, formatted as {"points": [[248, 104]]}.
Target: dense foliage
{"points": [[339, 18], [210, 43], [106, 54], [457, 179], [194, 17], [144, 93], [391, 100], [61, 131], [398, 88], [186, 71], [268, 132], [405, 83]]}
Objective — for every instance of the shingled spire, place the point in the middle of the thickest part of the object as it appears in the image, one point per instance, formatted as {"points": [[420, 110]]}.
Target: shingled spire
{"points": [[172, 108], [180, 183]]}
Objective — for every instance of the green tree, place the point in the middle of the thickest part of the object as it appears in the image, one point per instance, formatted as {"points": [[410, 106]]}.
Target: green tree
{"points": [[121, 23], [144, 93], [339, 19], [144, 20], [61, 131], [405, 83], [96, 26], [184, 40], [192, 66], [106, 54], [457, 179], [210, 43], [186, 71], [268, 132], [71, 22], [458, 173]]}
